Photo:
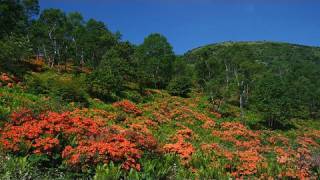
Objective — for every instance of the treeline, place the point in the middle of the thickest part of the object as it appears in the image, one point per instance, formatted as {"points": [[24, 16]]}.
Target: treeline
{"points": [[62, 39], [54, 35], [277, 80]]}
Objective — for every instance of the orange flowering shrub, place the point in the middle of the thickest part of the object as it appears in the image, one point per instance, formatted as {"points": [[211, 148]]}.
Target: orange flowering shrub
{"points": [[249, 160], [218, 115], [248, 147], [184, 133], [45, 145], [128, 107], [182, 148], [140, 127], [24, 130], [172, 109], [116, 148], [307, 142], [81, 141], [143, 141], [276, 139], [149, 123], [8, 80]]}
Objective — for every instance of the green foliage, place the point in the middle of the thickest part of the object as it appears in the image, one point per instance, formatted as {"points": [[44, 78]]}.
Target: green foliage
{"points": [[105, 84], [180, 86], [153, 168], [16, 168], [181, 82], [279, 98], [108, 172], [271, 100], [21, 168], [109, 81], [15, 15], [159, 167], [64, 87], [8, 50], [132, 95], [13, 99], [262, 76], [217, 93], [61, 38], [154, 61]]}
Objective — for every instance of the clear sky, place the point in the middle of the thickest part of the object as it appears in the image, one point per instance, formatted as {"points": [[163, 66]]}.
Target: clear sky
{"points": [[191, 23]]}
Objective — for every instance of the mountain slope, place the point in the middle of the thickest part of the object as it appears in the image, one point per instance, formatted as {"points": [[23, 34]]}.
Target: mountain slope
{"points": [[256, 50]]}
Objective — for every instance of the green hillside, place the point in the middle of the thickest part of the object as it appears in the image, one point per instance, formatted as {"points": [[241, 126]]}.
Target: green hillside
{"points": [[266, 77], [259, 51]]}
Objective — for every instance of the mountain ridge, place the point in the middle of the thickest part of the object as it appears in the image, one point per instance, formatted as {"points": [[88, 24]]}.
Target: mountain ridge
{"points": [[223, 43]]}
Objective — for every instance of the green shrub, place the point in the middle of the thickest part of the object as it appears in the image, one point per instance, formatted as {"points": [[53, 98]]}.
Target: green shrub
{"points": [[15, 168], [98, 104], [132, 95], [153, 167], [180, 86], [65, 88], [159, 167], [105, 84], [13, 99], [12, 167], [108, 172]]}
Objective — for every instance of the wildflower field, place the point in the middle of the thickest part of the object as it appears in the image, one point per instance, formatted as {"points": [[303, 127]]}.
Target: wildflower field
{"points": [[168, 137]]}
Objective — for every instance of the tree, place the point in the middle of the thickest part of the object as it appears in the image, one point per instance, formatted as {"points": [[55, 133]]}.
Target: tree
{"points": [[181, 82], [14, 49], [119, 58], [52, 24], [115, 69], [60, 38], [270, 98], [105, 84], [16, 15], [98, 41], [216, 91], [180, 86], [154, 59], [15, 18], [76, 35]]}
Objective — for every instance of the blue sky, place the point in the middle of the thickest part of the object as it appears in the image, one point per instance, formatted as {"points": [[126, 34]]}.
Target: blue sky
{"points": [[192, 23]]}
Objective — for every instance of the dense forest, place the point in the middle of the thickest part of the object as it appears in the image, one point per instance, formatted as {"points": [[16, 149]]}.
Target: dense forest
{"points": [[79, 102]]}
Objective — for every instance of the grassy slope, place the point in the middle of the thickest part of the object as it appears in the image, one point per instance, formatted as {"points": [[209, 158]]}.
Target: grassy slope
{"points": [[218, 148], [179, 114]]}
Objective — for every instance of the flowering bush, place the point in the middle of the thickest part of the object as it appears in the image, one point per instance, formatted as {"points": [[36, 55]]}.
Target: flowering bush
{"points": [[114, 148], [182, 148], [80, 141], [8, 80], [128, 107], [248, 147], [86, 137]]}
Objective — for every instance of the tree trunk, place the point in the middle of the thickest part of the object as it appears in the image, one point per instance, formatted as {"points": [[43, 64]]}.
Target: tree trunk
{"points": [[241, 99], [227, 74]]}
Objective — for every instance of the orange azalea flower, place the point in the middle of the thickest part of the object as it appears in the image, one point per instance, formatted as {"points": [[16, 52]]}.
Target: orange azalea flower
{"points": [[128, 107], [182, 148], [93, 143]]}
